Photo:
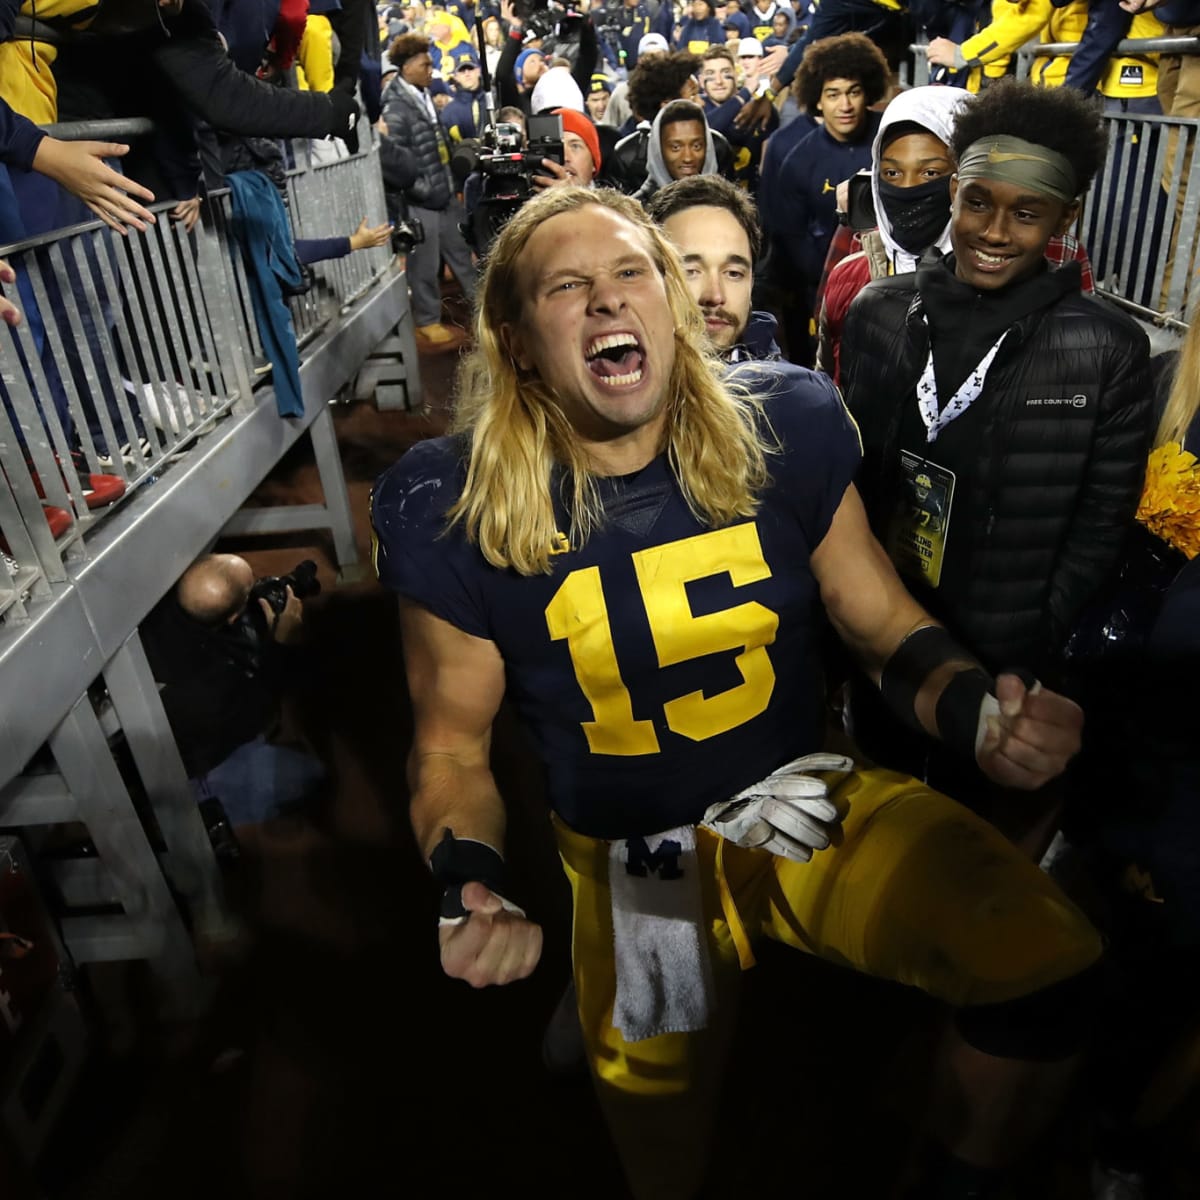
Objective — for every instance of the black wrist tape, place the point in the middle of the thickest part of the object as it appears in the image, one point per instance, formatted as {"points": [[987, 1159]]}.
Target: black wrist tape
{"points": [[456, 861], [911, 664], [958, 709]]}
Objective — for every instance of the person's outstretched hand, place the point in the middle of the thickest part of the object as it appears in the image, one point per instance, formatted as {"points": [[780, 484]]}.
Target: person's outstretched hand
{"points": [[187, 212], [942, 52], [81, 169], [364, 238], [754, 115]]}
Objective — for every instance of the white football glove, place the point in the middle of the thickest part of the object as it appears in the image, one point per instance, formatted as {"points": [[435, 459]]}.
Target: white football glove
{"points": [[789, 813]]}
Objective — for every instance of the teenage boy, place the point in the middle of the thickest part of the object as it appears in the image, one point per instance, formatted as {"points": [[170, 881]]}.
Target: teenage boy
{"points": [[1005, 415]]}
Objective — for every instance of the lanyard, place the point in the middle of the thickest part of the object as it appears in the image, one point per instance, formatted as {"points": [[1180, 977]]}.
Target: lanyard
{"points": [[967, 394]]}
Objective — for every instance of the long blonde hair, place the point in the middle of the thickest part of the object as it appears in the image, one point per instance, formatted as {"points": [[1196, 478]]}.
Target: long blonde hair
{"points": [[518, 431], [1184, 400]]}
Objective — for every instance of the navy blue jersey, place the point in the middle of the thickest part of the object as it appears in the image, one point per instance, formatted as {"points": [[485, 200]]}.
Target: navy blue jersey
{"points": [[664, 664]]}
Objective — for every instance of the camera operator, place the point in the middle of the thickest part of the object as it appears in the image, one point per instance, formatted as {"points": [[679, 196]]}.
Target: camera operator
{"points": [[224, 648], [559, 147], [581, 154]]}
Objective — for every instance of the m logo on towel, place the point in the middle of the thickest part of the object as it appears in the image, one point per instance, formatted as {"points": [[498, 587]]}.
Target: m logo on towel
{"points": [[664, 861]]}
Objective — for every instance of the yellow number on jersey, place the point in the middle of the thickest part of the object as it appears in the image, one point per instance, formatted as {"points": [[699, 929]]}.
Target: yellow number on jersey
{"points": [[579, 614], [663, 573]]}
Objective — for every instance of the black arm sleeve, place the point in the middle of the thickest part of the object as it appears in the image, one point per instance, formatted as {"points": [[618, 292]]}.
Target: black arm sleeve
{"points": [[350, 25], [506, 74], [585, 60]]}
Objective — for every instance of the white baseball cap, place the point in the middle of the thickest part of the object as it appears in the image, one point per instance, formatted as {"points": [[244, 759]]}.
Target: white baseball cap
{"points": [[652, 41], [750, 48]]}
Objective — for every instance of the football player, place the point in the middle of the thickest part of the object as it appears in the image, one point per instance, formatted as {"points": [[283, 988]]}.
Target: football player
{"points": [[637, 549]]}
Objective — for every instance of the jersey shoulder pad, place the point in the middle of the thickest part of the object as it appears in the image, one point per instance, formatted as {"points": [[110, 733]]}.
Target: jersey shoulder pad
{"points": [[417, 553]]}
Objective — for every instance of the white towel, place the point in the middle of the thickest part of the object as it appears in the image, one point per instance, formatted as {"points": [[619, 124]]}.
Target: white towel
{"points": [[664, 978]]}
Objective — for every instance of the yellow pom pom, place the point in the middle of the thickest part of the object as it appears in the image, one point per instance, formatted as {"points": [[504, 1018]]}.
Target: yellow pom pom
{"points": [[1170, 504]]}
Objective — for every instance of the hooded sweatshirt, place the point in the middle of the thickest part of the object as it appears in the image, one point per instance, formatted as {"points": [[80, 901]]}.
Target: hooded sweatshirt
{"points": [[934, 109], [656, 168]]}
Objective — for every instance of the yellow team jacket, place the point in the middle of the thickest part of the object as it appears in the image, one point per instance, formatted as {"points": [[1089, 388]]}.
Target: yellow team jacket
{"points": [[1015, 22], [314, 58], [1131, 76], [27, 68]]}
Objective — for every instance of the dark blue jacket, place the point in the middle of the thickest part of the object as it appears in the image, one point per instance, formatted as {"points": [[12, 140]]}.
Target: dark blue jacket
{"points": [[464, 113], [247, 26], [709, 30], [311, 250], [1179, 12], [804, 216], [782, 142], [19, 138], [758, 340], [1107, 24], [260, 224], [747, 144]]}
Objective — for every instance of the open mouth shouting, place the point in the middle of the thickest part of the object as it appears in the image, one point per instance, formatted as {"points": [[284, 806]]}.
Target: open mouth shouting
{"points": [[615, 359]]}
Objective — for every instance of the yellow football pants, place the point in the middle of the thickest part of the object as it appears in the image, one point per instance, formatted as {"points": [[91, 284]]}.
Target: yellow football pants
{"points": [[917, 890]]}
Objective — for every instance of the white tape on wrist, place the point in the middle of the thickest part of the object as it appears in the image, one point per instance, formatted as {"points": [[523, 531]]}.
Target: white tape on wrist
{"points": [[505, 905]]}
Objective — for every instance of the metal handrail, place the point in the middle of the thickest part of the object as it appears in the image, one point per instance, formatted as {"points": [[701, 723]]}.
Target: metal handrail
{"points": [[58, 235], [99, 131], [1130, 46], [146, 342]]}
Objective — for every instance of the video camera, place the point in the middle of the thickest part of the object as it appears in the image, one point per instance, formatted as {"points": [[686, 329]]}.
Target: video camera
{"points": [[556, 25], [548, 18], [507, 173]]}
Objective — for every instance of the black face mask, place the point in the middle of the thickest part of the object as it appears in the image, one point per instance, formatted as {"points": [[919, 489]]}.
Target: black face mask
{"points": [[918, 214]]}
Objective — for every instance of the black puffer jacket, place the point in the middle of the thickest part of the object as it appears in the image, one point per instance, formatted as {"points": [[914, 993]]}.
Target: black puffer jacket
{"points": [[1061, 453], [413, 137]]}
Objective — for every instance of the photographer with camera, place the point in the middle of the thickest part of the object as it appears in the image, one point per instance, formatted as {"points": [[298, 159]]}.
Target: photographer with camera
{"points": [[224, 648], [581, 156], [412, 125]]}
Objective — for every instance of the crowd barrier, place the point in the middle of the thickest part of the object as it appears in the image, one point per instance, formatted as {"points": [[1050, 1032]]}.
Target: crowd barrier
{"points": [[139, 358], [1138, 222]]}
